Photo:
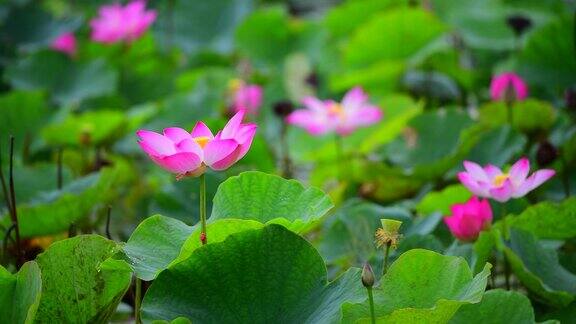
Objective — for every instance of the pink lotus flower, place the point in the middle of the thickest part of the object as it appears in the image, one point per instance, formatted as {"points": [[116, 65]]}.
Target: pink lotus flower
{"points": [[491, 182], [505, 82], [245, 96], [65, 43], [469, 219], [188, 154], [116, 23], [322, 117]]}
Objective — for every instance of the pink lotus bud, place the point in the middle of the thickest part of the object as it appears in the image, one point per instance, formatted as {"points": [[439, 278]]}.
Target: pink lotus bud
{"points": [[188, 154], [246, 97], [321, 117], [508, 83], [65, 43], [469, 219], [491, 182], [116, 23]]}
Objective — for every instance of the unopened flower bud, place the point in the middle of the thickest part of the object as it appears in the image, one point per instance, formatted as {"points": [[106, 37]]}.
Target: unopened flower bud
{"points": [[519, 24], [367, 276], [546, 153], [388, 234], [283, 108]]}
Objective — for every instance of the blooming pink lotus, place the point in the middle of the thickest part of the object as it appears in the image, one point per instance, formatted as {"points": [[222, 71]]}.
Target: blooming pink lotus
{"points": [[116, 23], [505, 82], [491, 182], [65, 43], [246, 96], [322, 117], [469, 219], [188, 154]]}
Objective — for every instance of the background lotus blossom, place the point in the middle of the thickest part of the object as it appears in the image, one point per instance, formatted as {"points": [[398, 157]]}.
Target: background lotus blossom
{"points": [[491, 182], [188, 154], [508, 82], [246, 97], [116, 23], [321, 117], [469, 219], [65, 43]]}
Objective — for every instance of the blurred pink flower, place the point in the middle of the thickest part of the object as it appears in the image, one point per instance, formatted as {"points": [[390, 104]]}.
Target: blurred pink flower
{"points": [[188, 154], [65, 43], [116, 23], [322, 117], [505, 82], [469, 219], [245, 96], [491, 182]]}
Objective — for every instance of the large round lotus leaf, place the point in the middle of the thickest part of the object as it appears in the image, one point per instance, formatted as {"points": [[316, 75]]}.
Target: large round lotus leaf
{"points": [[392, 35], [79, 284], [216, 232], [548, 220], [195, 26], [82, 80], [422, 287], [539, 270], [497, 307], [20, 294], [91, 128], [270, 275], [52, 212], [269, 199], [154, 244], [548, 58], [441, 201], [528, 116]]}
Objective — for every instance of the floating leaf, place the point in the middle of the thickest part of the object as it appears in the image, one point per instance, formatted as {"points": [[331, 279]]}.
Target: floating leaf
{"points": [[269, 199], [78, 285], [20, 294], [497, 146], [285, 281]]}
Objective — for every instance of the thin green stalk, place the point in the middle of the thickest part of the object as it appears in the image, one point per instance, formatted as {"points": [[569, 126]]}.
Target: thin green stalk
{"points": [[203, 237], [137, 300], [371, 301], [340, 156], [14, 214], [509, 112], [505, 259], [386, 253]]}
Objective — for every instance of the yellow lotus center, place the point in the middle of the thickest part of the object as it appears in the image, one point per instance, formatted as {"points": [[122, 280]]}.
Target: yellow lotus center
{"points": [[202, 140], [336, 110], [499, 179]]}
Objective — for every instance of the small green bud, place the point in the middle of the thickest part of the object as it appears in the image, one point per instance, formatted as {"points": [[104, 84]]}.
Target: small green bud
{"points": [[367, 276]]}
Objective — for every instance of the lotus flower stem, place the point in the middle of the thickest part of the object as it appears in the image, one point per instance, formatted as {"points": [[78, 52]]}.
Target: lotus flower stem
{"points": [[286, 161], [59, 181], [14, 214], [371, 301], [339, 156], [565, 177], [505, 259], [4, 187], [203, 237], [137, 300], [108, 216], [386, 253]]}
